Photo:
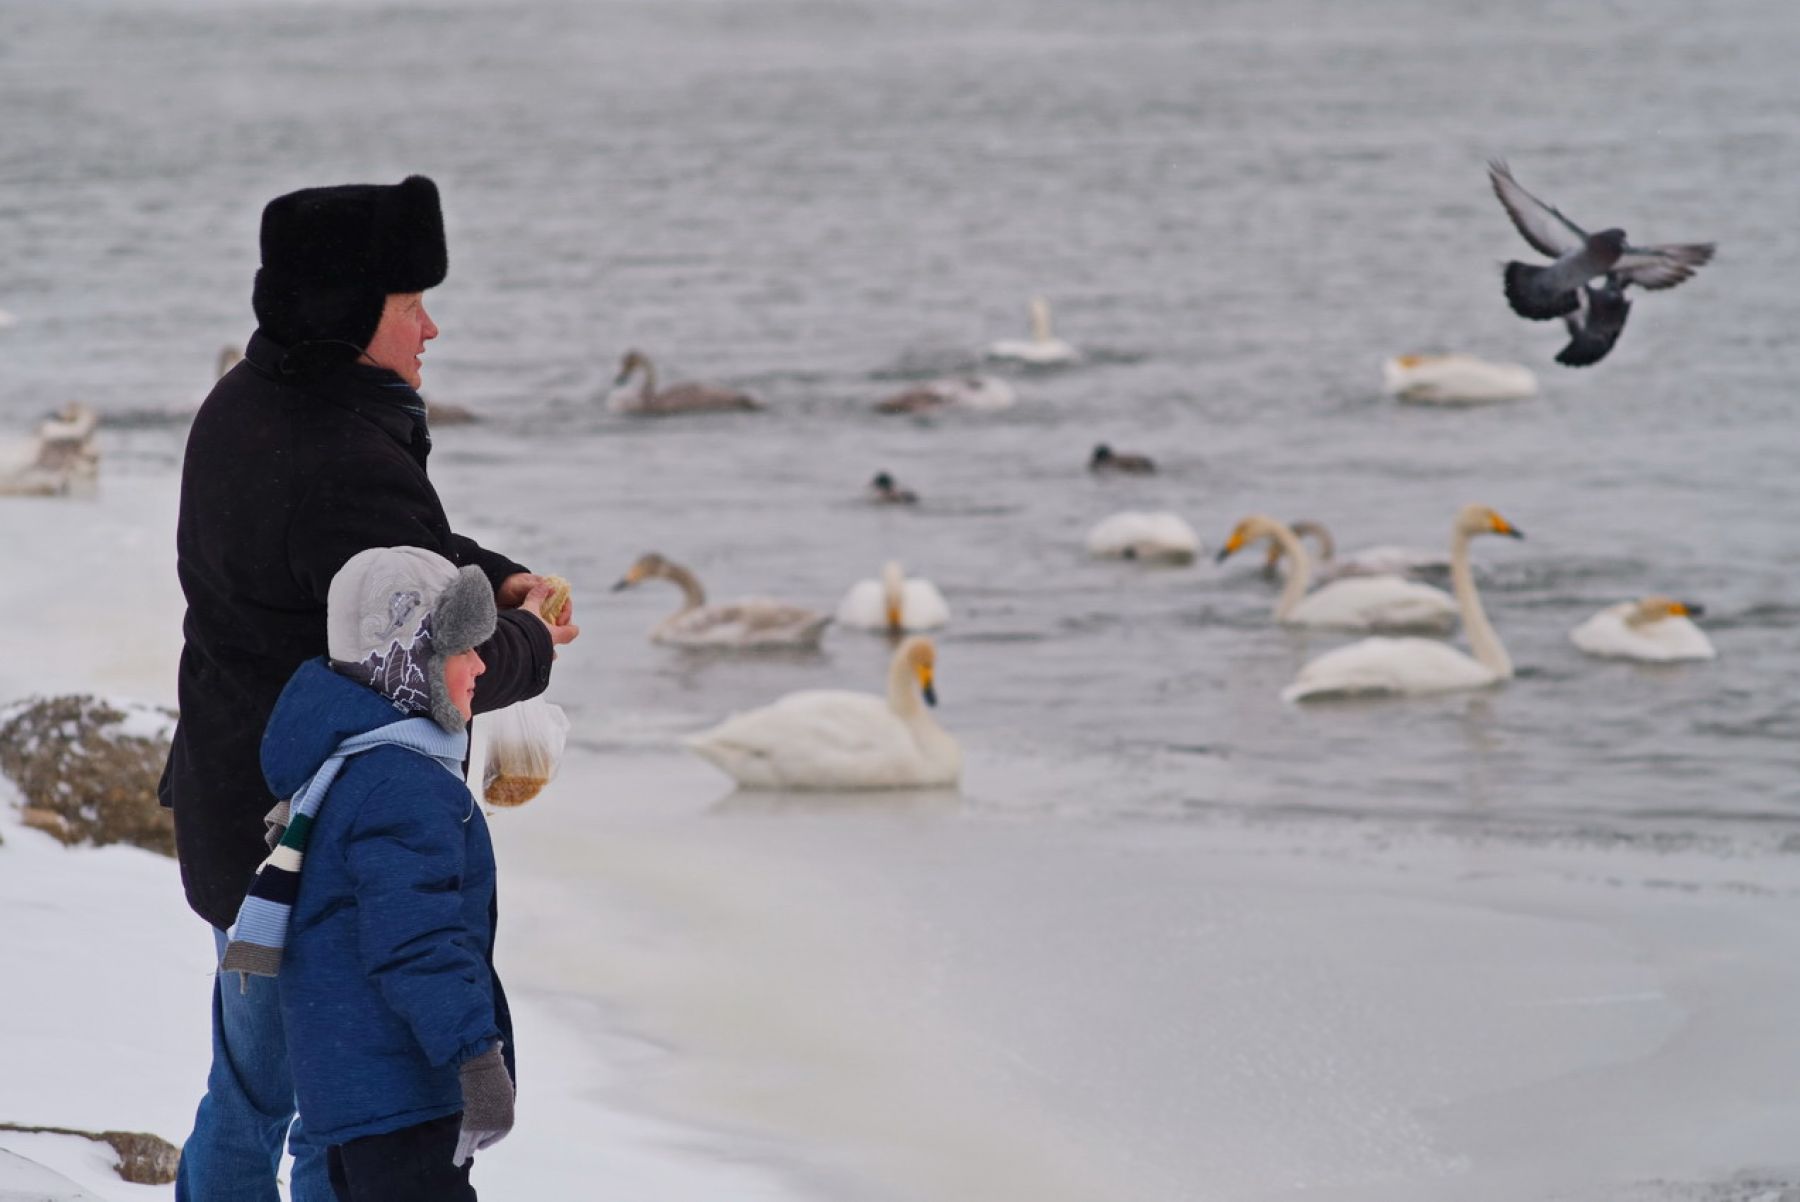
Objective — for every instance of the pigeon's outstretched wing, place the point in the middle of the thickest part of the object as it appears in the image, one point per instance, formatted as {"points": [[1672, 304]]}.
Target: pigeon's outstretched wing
{"points": [[1596, 325], [1541, 225], [1664, 266]]}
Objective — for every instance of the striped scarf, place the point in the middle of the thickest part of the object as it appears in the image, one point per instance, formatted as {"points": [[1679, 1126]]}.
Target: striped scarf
{"points": [[255, 941]]}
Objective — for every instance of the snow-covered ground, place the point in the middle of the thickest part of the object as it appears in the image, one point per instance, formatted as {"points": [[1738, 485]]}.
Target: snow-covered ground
{"points": [[721, 996]]}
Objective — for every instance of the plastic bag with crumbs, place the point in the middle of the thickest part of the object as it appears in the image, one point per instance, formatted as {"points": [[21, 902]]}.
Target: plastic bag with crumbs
{"points": [[524, 746]]}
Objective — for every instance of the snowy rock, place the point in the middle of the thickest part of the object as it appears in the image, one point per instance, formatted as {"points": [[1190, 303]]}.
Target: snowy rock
{"points": [[144, 1159], [87, 769], [24, 1180]]}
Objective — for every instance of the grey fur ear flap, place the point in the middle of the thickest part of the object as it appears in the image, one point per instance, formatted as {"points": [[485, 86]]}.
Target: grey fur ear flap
{"points": [[464, 617]]}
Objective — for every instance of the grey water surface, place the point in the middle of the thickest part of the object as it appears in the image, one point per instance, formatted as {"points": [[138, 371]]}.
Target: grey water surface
{"points": [[1237, 210]]}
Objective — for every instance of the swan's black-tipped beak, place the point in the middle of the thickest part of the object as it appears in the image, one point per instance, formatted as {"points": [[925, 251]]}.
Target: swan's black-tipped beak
{"points": [[930, 693], [1692, 609], [619, 380], [1513, 532], [1223, 555], [622, 584]]}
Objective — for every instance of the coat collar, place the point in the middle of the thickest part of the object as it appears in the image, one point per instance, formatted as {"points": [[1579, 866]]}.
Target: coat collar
{"points": [[373, 393]]}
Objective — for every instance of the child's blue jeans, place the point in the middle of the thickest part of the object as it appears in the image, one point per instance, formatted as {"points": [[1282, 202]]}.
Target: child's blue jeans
{"points": [[234, 1152]]}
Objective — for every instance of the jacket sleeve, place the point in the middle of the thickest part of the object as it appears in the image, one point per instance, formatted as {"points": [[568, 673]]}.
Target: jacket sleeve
{"points": [[464, 551], [355, 506], [406, 860], [518, 662]]}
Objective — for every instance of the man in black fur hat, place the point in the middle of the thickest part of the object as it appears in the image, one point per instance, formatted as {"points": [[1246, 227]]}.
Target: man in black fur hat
{"points": [[310, 450]]}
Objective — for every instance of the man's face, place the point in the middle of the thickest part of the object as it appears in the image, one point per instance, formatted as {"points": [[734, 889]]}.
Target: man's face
{"points": [[401, 337]]}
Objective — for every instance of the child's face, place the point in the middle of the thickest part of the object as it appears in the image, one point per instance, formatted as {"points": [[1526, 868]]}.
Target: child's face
{"points": [[460, 672]]}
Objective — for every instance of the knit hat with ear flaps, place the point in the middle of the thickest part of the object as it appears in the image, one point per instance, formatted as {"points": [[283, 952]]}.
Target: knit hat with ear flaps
{"points": [[394, 615], [331, 256]]}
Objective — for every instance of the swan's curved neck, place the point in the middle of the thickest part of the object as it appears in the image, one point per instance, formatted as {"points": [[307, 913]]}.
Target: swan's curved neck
{"points": [[692, 595], [1483, 641], [903, 692], [1299, 576], [893, 597], [648, 389], [1327, 544], [1040, 321]]}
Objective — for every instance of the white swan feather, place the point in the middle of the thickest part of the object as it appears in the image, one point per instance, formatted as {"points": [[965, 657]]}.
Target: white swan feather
{"points": [[895, 603], [1388, 665], [1353, 603], [1042, 349], [835, 739], [1134, 535], [1656, 629], [1455, 380]]}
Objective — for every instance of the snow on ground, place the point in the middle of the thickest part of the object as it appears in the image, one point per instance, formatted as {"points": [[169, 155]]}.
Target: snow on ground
{"points": [[725, 996]]}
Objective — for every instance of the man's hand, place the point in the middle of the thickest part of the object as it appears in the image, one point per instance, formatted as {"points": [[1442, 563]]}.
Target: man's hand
{"points": [[515, 588], [532, 602]]}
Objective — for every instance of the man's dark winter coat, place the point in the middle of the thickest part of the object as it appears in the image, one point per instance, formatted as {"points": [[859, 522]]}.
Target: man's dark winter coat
{"points": [[284, 480]]}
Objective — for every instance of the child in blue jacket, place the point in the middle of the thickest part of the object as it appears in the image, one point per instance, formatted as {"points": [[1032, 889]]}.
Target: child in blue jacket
{"points": [[375, 911]]}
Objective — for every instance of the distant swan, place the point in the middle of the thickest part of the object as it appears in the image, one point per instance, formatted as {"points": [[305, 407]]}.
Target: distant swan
{"points": [[1042, 349], [1455, 380], [677, 398], [978, 393], [229, 357], [1358, 603], [1655, 628], [751, 624], [1383, 665], [1160, 537], [835, 739], [894, 603], [1384, 560]]}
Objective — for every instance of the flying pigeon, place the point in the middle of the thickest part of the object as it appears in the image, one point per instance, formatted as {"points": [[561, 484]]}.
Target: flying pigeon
{"points": [[1596, 323], [1555, 290]]}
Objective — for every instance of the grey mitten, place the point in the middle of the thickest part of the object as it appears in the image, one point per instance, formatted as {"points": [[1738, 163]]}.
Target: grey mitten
{"points": [[487, 1115]]}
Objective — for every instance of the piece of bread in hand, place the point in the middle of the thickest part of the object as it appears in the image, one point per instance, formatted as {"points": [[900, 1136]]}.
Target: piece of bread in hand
{"points": [[556, 605]]}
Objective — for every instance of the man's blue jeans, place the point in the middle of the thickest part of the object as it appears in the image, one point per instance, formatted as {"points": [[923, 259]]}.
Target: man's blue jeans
{"points": [[234, 1152]]}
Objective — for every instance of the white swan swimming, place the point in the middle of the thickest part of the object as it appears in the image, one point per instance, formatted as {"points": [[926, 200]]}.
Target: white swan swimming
{"points": [[1384, 665], [835, 739], [677, 398], [1354, 603], [983, 394], [1161, 537], [751, 624], [1042, 349], [1656, 628], [1455, 380], [1383, 560], [894, 603]]}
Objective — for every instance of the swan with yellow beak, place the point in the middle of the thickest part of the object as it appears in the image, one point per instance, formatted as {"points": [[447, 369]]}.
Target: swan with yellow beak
{"points": [[836, 739]]}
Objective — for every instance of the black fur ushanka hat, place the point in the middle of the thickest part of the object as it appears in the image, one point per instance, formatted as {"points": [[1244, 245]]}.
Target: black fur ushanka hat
{"points": [[331, 256]]}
